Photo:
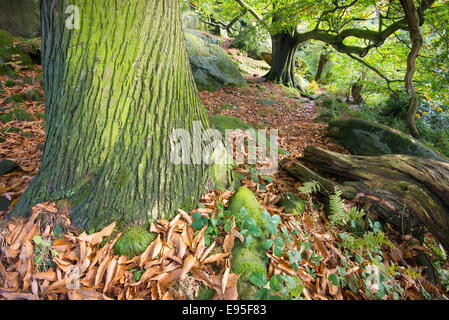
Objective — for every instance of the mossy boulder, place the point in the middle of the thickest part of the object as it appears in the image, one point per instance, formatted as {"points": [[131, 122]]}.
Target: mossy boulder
{"points": [[205, 36], [245, 198], [292, 203], [8, 53], [211, 66], [247, 259], [191, 20], [30, 47], [20, 17], [366, 138]]}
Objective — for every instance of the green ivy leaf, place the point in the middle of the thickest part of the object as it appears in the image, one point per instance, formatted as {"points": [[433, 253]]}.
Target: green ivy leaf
{"points": [[266, 216], [254, 230], [334, 279], [278, 252], [267, 244], [276, 283], [248, 240], [262, 294], [276, 220], [57, 231], [278, 242], [37, 240], [258, 279], [250, 221], [271, 228], [198, 224], [196, 216]]}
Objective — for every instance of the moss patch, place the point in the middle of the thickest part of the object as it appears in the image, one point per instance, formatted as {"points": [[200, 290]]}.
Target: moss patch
{"points": [[244, 197], [11, 130], [247, 259], [27, 134], [20, 115], [16, 99], [133, 242], [205, 293], [223, 123], [6, 117], [10, 83]]}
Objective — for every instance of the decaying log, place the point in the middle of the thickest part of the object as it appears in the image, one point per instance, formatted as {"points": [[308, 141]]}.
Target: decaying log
{"points": [[409, 193]]}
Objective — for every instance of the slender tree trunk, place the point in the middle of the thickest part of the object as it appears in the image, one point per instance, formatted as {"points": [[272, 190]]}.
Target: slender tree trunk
{"points": [[114, 90], [283, 64], [324, 58], [411, 15]]}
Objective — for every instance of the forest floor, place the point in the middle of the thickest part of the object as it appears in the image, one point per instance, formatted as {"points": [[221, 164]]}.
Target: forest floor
{"points": [[39, 252]]}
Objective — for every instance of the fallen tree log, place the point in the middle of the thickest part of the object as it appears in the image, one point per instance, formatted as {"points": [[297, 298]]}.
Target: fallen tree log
{"points": [[410, 193]]}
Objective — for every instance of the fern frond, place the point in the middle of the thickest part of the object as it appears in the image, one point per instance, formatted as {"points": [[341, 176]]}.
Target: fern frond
{"points": [[310, 187]]}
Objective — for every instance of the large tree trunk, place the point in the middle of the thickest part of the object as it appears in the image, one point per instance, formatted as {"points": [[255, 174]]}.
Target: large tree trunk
{"points": [[283, 63], [408, 192], [114, 90], [412, 17]]}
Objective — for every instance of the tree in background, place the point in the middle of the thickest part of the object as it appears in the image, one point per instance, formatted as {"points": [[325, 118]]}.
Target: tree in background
{"points": [[352, 27], [115, 88]]}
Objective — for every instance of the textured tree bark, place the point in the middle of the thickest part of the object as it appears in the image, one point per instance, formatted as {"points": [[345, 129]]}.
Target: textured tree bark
{"points": [[412, 17], [283, 63], [114, 90], [408, 192]]}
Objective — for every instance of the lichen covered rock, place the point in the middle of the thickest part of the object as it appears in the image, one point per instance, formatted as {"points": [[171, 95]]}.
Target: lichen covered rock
{"points": [[211, 66]]}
